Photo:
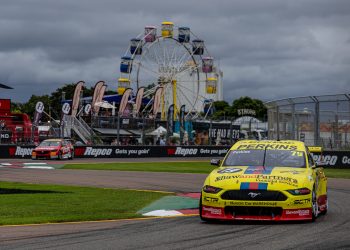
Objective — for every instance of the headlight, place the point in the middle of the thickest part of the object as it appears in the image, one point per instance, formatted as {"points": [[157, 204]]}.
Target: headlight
{"points": [[300, 191], [211, 189]]}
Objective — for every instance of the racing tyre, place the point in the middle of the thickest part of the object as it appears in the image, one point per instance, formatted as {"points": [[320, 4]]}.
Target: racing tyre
{"points": [[71, 156], [60, 157], [325, 211], [314, 205]]}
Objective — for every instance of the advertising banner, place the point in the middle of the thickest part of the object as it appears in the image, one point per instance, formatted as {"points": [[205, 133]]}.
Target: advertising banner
{"points": [[76, 97], [64, 112], [332, 159], [170, 121], [39, 109], [182, 122], [99, 91], [149, 151], [216, 131], [157, 99], [124, 101], [138, 101]]}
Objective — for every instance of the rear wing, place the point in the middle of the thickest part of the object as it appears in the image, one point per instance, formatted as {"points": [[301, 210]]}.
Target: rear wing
{"points": [[315, 149]]}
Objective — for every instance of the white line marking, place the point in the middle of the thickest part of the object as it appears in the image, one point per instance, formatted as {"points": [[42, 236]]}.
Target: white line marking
{"points": [[162, 213], [38, 167], [35, 164], [6, 164]]}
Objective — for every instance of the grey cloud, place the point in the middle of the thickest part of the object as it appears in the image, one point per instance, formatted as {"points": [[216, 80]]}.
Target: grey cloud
{"points": [[267, 49]]}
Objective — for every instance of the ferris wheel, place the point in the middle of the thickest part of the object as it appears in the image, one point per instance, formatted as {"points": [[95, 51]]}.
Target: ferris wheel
{"points": [[181, 67]]}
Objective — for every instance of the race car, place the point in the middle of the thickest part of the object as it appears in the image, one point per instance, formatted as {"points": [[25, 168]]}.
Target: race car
{"points": [[54, 149], [265, 180]]}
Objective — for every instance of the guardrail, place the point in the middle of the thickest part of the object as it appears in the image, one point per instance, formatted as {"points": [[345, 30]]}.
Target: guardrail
{"points": [[332, 159]]}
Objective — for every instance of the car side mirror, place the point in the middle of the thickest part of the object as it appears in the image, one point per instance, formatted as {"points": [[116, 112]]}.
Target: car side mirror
{"points": [[215, 162]]}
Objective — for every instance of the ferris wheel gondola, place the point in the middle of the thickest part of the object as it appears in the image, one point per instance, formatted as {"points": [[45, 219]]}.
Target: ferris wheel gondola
{"points": [[171, 61]]}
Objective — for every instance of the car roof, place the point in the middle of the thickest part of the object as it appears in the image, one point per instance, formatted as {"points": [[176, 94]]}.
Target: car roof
{"points": [[269, 144], [53, 140]]}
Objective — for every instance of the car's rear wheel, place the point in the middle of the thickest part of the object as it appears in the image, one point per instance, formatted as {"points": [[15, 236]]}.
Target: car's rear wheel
{"points": [[71, 155], [60, 157], [326, 209], [314, 205]]}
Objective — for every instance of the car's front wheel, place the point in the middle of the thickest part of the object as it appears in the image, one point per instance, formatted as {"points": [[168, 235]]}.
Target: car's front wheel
{"points": [[200, 211]]}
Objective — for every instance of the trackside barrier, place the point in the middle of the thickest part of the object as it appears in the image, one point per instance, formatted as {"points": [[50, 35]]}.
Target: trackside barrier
{"points": [[335, 159]]}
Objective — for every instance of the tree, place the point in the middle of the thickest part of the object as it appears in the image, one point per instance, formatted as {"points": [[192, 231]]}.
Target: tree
{"points": [[220, 105], [29, 107], [221, 110], [246, 102]]}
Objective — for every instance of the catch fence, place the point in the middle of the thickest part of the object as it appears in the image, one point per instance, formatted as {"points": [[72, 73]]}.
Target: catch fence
{"points": [[316, 120]]}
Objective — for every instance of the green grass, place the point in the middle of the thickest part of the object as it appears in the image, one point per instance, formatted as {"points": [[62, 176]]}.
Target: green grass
{"points": [[337, 173], [178, 167], [31, 203]]}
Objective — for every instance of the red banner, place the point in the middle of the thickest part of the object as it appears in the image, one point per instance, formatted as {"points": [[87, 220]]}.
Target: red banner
{"points": [[156, 101], [99, 92], [76, 97], [124, 100], [139, 96]]}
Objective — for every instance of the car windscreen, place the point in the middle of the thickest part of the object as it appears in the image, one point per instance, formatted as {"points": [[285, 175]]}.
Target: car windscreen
{"points": [[49, 143], [269, 158]]}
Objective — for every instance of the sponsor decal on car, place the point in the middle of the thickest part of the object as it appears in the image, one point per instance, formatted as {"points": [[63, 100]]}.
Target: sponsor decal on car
{"points": [[212, 210], [283, 146], [252, 203], [258, 170], [229, 170], [302, 201], [210, 199], [253, 186], [226, 177], [300, 212]]}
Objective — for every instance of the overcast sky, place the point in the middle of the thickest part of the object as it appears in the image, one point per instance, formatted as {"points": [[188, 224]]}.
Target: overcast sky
{"points": [[267, 49]]}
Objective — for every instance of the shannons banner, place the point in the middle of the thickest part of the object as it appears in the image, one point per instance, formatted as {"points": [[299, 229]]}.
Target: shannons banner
{"points": [[332, 159]]}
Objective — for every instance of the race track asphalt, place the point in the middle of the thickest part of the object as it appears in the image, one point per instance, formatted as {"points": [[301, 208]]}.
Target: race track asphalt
{"points": [[328, 232]]}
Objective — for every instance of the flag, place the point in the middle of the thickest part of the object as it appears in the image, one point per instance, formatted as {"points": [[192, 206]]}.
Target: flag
{"points": [[139, 96], [97, 95], [39, 109], [182, 122], [124, 100], [156, 101], [170, 120], [76, 97]]}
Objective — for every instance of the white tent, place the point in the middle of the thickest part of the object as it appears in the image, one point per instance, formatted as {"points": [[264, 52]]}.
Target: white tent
{"points": [[105, 105], [158, 131]]}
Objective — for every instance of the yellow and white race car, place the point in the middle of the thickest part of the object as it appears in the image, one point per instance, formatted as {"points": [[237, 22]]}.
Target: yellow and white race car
{"points": [[265, 180]]}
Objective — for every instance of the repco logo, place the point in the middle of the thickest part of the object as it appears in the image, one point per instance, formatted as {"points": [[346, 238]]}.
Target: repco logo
{"points": [[23, 151], [186, 151], [98, 151], [328, 160]]}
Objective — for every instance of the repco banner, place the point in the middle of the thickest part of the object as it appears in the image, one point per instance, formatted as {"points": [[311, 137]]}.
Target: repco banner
{"points": [[16, 151], [148, 151], [335, 159], [331, 159]]}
